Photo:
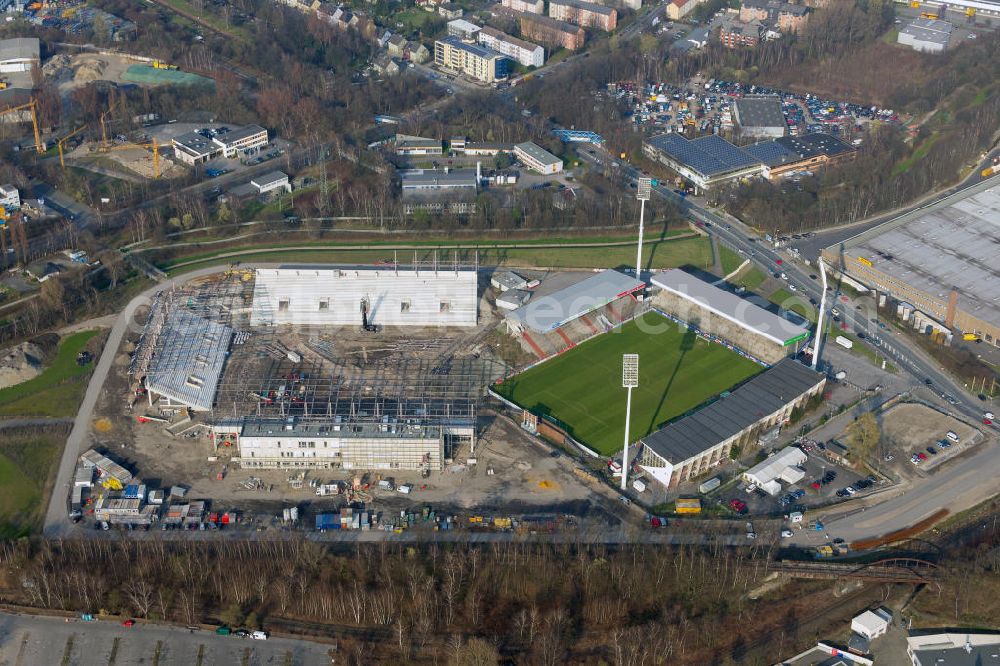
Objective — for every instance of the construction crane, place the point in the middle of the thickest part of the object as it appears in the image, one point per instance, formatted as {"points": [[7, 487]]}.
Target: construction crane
{"points": [[34, 121], [154, 146], [104, 128], [59, 144]]}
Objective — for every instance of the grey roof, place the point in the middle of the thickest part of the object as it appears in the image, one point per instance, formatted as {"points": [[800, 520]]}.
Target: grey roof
{"points": [[269, 178], [586, 6], [195, 143], [760, 112], [335, 428], [190, 354], [549, 312], [929, 30], [431, 179], [709, 426], [940, 248], [708, 155], [245, 132], [788, 149], [538, 153], [19, 48], [549, 22], [957, 648], [474, 49], [731, 307], [409, 141]]}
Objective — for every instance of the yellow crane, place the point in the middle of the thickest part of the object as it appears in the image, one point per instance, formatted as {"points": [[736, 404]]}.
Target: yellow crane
{"points": [[63, 140], [34, 121], [132, 146]]}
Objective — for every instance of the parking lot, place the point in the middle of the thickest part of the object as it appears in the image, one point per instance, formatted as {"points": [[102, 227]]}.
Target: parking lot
{"points": [[916, 438], [47, 640]]}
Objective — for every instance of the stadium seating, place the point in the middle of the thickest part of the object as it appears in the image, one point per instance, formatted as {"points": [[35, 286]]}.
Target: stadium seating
{"points": [[572, 333]]}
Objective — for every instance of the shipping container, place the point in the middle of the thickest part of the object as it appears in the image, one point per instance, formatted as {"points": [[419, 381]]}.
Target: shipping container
{"points": [[844, 342], [710, 485], [688, 505]]}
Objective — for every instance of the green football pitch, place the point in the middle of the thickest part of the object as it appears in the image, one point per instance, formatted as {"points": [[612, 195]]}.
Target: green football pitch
{"points": [[582, 388]]}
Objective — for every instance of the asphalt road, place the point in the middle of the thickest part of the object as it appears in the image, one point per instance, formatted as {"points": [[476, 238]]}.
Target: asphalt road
{"points": [[29, 639]]}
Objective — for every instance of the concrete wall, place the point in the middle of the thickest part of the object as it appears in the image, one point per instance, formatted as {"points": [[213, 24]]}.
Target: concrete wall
{"points": [[406, 453]]}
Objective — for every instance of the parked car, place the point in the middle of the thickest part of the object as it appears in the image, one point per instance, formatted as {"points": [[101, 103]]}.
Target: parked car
{"points": [[242, 633], [128, 623], [850, 490], [737, 506], [786, 534], [922, 456], [931, 450], [259, 635]]}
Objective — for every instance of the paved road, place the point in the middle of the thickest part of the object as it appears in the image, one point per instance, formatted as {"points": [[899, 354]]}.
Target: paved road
{"points": [[30, 640]]}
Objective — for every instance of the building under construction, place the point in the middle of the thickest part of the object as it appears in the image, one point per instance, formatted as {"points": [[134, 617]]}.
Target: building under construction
{"points": [[301, 396]]}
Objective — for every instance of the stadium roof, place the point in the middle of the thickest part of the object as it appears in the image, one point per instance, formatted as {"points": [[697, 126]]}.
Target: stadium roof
{"points": [[940, 248], [708, 155], [553, 310], [758, 398], [189, 359], [760, 112], [729, 306]]}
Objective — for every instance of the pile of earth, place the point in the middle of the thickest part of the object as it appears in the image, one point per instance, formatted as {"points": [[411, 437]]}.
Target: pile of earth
{"points": [[21, 363]]}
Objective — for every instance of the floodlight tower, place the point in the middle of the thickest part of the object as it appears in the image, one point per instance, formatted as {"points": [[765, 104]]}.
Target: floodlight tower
{"points": [[822, 312], [630, 380], [642, 193]]}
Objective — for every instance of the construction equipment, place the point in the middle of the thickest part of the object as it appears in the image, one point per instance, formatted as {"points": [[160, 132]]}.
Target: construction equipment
{"points": [[34, 121], [111, 483], [63, 140], [107, 148], [366, 325], [989, 171], [159, 64], [915, 4]]}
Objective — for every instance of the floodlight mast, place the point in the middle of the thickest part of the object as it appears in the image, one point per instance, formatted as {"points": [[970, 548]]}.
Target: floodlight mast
{"points": [[822, 312], [642, 193], [630, 380]]}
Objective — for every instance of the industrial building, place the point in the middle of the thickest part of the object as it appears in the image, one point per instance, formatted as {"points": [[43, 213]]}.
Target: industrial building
{"points": [[527, 6], [188, 360], [954, 649], [552, 33], [737, 322], [794, 154], [586, 14], [428, 180], [476, 61], [305, 295], [926, 35], [19, 54], [273, 180], [941, 260], [782, 466], [547, 313], [759, 117], [706, 162], [694, 444], [968, 8], [872, 624], [537, 158], [525, 53], [417, 145]]}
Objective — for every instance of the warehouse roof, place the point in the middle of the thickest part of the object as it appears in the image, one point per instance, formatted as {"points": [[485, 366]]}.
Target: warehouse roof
{"points": [[708, 155], [189, 358], [549, 312], [943, 247], [760, 112], [789, 149], [955, 649], [19, 48], [729, 306], [758, 398], [269, 178], [929, 30], [432, 178]]}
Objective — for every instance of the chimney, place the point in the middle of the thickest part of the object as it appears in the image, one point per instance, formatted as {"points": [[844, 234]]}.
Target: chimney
{"points": [[949, 318]]}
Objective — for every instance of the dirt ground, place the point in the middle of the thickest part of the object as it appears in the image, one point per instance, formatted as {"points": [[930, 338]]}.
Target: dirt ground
{"points": [[911, 428], [69, 72], [20, 363]]}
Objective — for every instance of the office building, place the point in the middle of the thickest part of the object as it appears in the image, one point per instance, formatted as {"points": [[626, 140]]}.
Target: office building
{"points": [[537, 158]]}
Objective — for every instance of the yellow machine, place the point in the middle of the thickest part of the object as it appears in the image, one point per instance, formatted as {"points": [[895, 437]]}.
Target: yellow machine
{"points": [[63, 140], [915, 4], [111, 483], [970, 12], [34, 121], [970, 337], [157, 64], [988, 171]]}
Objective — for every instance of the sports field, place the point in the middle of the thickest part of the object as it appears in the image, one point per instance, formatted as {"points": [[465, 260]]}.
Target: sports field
{"points": [[582, 388]]}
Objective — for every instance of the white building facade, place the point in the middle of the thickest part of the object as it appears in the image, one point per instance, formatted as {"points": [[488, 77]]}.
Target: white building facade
{"points": [[525, 53]]}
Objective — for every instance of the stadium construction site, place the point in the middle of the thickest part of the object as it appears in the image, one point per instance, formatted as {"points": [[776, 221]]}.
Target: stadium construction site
{"points": [[280, 384]]}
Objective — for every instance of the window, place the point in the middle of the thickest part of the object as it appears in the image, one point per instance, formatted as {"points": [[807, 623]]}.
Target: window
{"points": [[283, 305], [404, 306], [445, 306], [324, 304]]}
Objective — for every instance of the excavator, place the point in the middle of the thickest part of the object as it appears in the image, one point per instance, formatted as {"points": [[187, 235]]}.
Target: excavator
{"points": [[366, 325]]}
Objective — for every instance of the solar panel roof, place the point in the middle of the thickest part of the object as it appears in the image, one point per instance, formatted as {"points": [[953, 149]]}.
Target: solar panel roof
{"points": [[708, 155]]}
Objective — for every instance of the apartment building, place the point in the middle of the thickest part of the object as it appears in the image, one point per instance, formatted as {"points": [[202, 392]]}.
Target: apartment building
{"points": [[525, 53], [552, 33], [586, 14], [783, 15], [480, 63], [527, 6]]}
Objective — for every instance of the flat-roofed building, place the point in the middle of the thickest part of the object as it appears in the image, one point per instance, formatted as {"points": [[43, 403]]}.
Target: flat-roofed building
{"points": [[941, 259], [463, 29], [586, 14], [694, 444], [525, 53], [19, 54], [760, 117], [960, 648], [537, 158], [242, 141], [552, 33], [758, 333], [193, 148], [706, 162], [479, 62], [432, 179], [528, 6], [926, 35], [794, 154], [417, 145], [273, 180], [10, 198]]}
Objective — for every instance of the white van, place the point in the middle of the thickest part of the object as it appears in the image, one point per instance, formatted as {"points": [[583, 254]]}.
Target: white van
{"points": [[952, 436], [259, 635]]}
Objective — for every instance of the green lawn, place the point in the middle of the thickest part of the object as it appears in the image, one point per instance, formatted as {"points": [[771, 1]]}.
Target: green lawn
{"points": [[795, 303], [55, 392], [730, 260], [28, 457], [752, 278], [657, 254], [581, 388]]}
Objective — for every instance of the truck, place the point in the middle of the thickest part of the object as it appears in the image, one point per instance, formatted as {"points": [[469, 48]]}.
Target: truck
{"points": [[989, 171], [846, 343]]}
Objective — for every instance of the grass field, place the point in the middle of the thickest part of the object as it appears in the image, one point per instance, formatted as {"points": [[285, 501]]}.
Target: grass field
{"points": [[582, 387], [58, 390], [28, 457]]}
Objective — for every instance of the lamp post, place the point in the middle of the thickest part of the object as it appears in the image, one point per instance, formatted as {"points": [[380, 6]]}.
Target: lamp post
{"points": [[630, 380], [642, 193]]}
